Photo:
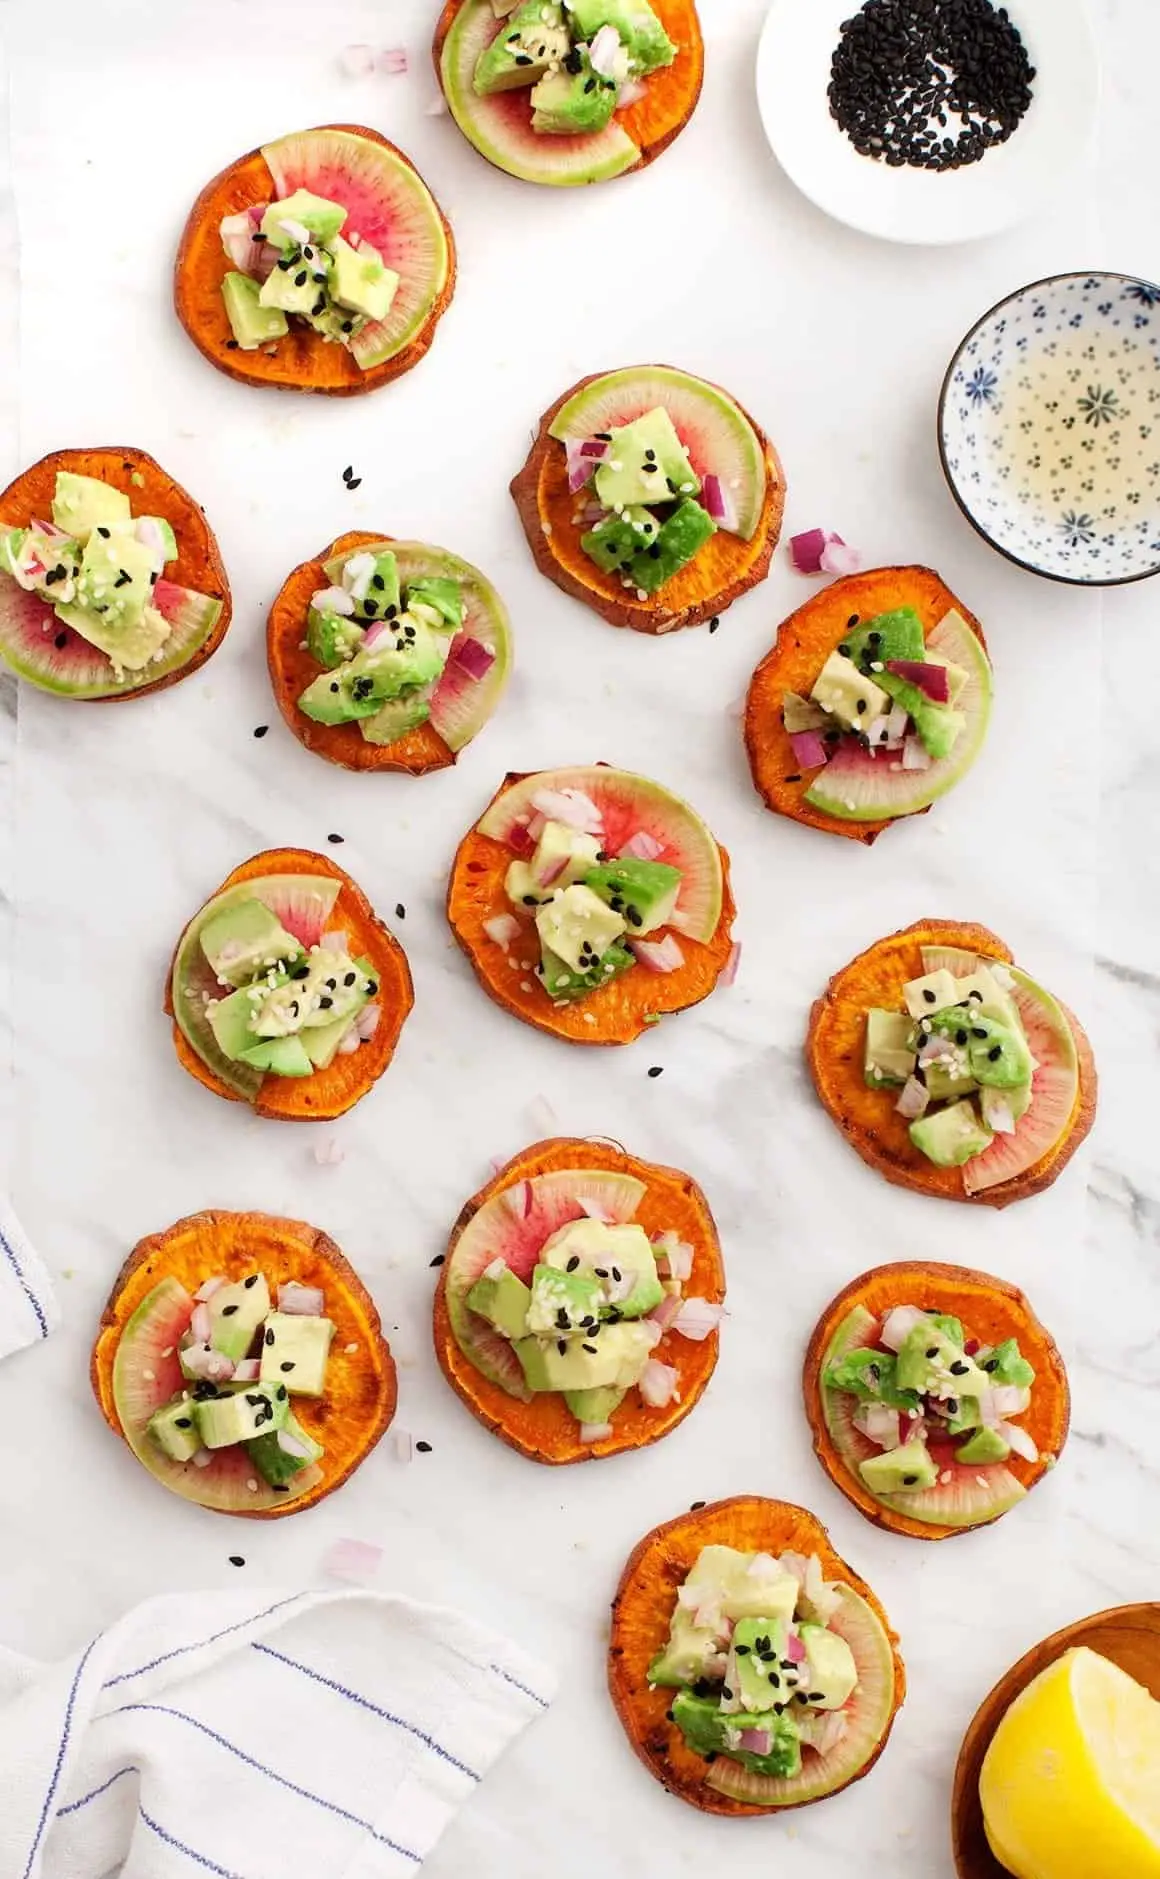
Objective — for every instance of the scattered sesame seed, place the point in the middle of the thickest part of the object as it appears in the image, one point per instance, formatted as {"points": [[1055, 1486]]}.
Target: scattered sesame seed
{"points": [[252, 1485], [424, 1448], [260, 730], [657, 1070], [236, 1559], [696, 1507], [400, 911], [336, 839]]}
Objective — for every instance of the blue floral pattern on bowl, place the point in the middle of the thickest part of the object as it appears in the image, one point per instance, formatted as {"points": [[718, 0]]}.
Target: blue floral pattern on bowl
{"points": [[1049, 428]]}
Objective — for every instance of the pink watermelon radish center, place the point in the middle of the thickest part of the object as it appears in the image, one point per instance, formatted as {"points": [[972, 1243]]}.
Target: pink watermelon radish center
{"points": [[1054, 1092]]}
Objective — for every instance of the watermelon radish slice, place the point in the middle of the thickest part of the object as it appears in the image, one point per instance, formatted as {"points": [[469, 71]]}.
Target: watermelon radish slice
{"points": [[1054, 1091], [972, 1496], [302, 902], [390, 207], [628, 805], [954, 959], [715, 431], [146, 1376], [500, 127], [868, 1715], [40, 648], [513, 1226], [856, 786], [460, 704]]}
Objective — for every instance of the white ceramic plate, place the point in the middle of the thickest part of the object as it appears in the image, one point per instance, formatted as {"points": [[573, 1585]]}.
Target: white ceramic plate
{"points": [[925, 206]]}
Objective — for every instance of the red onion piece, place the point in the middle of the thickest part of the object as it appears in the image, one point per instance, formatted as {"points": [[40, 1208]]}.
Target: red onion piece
{"points": [[356, 1561], [675, 1253], [795, 1650], [1010, 1399], [697, 1318], [349, 1043], [934, 680], [595, 1431], [879, 1424], [666, 1311], [336, 940], [548, 876], [201, 1324], [810, 750], [239, 242], [333, 600], [1019, 1440], [571, 807], [594, 447], [301, 1301], [604, 51], [248, 1371], [503, 929], [732, 965], [357, 61], [378, 634], [806, 550], [582, 463], [496, 1269], [631, 92], [898, 1325], [394, 61], [913, 1101], [658, 1383], [290, 1445], [471, 656], [205, 1364], [206, 1290], [756, 1741], [202, 1458], [837, 558], [658, 955], [520, 841], [1001, 1118], [641, 846], [367, 1021], [915, 755]]}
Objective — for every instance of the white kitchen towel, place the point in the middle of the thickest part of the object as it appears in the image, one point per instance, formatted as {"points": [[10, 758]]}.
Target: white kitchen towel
{"points": [[270, 1735], [28, 1307]]}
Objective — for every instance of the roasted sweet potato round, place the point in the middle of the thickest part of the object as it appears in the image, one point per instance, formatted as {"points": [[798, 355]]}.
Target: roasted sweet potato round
{"points": [[540, 1426], [641, 1614], [135, 1370], [991, 1311]]}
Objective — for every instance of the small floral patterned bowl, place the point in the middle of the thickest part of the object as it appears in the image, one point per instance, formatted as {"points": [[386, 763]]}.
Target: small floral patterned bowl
{"points": [[1049, 428]]}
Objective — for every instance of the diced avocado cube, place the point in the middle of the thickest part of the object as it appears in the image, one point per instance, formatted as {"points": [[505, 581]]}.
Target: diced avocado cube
{"points": [[331, 638], [563, 1301], [441, 594], [996, 1054], [687, 1653], [175, 1431], [899, 1470], [404, 660], [986, 1445], [832, 1673], [1002, 1110], [646, 462], [83, 503], [503, 1301], [321, 1042], [245, 939], [240, 1415], [116, 578], [1006, 1364], [278, 1465], [321, 218], [890, 1048], [563, 857], [612, 1357], [982, 990], [360, 282], [534, 40], [871, 1376], [252, 323], [932, 1363], [644, 892], [639, 27], [329, 986], [616, 540], [281, 1056], [932, 993], [523, 890], [948, 1076], [394, 719], [594, 1406], [372, 581], [848, 694], [561, 981], [579, 927], [296, 286], [733, 1582], [296, 1351], [710, 1731], [235, 1313], [802, 714], [341, 696], [129, 646], [231, 1020], [938, 726], [619, 1259], [896, 635], [680, 539], [755, 1675], [336, 324]]}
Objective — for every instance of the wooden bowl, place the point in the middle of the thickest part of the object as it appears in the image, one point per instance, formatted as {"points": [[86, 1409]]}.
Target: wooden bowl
{"points": [[1129, 1635]]}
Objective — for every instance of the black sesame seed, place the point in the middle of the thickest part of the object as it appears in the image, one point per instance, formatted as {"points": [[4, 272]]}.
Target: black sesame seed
{"points": [[562, 1346], [354, 482], [852, 622], [400, 911], [61, 641], [696, 1507], [590, 1348], [438, 1259], [994, 1054], [742, 1650], [269, 1339], [102, 532], [287, 1367], [959, 1369], [657, 1070], [933, 1351], [236, 1559], [348, 978], [573, 1263], [336, 839], [300, 279], [727, 1693], [909, 1480], [424, 1448], [228, 1311], [372, 986], [816, 1696], [861, 706], [183, 1422], [260, 730]]}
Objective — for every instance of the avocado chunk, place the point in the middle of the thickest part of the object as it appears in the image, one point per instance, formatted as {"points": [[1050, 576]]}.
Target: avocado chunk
{"points": [[563, 857], [174, 1430], [938, 726], [986, 1445], [251, 323], [235, 1313], [891, 1041], [276, 1464], [645, 462], [689, 1650], [573, 100], [297, 285], [896, 635], [618, 539], [83, 503], [997, 1054], [129, 648], [640, 30], [295, 1352], [619, 1260], [116, 578], [709, 1730], [755, 1675], [731, 1581], [321, 1041], [372, 581], [246, 939], [331, 986], [503, 1301], [935, 1364], [360, 281], [332, 638], [1006, 1364], [240, 1415], [414, 657], [562, 982], [320, 218], [848, 694], [281, 1056], [931, 993], [438, 594], [644, 892], [232, 1022], [830, 1675], [680, 539], [43, 564], [534, 41], [579, 927], [563, 1301], [983, 990], [394, 719], [871, 1376], [949, 1076], [612, 1357], [1002, 1110], [594, 1406], [899, 1469]]}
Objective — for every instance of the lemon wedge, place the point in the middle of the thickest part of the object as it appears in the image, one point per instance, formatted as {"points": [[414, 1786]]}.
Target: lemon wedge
{"points": [[1070, 1785]]}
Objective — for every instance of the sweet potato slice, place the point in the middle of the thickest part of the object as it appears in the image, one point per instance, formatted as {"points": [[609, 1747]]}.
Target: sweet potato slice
{"points": [[617, 1013], [867, 1117], [199, 564], [328, 1093], [670, 95], [303, 360], [721, 572], [361, 1390], [544, 1429], [292, 669], [643, 1608], [804, 643], [990, 1311]]}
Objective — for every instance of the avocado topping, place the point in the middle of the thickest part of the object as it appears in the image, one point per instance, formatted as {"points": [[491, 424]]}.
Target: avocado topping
{"points": [[760, 1677], [243, 1362], [930, 1397], [295, 264], [576, 56], [645, 522]]}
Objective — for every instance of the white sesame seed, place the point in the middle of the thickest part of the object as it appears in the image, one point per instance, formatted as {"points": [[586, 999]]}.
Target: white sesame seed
{"points": [[351, 1349], [149, 1376], [252, 1485], [588, 1017]]}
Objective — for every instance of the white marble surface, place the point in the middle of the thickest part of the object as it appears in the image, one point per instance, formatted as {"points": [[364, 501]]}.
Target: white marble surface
{"points": [[124, 819]]}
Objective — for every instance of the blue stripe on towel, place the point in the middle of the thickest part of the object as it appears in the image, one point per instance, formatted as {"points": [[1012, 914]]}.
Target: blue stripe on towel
{"points": [[74, 1807], [60, 1755], [183, 1650], [332, 1807], [352, 1696], [180, 1847], [29, 1294], [522, 1687]]}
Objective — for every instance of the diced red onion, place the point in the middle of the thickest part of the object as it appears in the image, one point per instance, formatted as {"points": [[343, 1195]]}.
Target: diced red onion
{"points": [[471, 655], [595, 1431], [239, 241], [878, 1423], [356, 1561], [898, 1325], [676, 1254], [248, 1371], [349, 1042], [718, 501], [376, 635], [201, 1361], [357, 61], [301, 1301], [915, 755], [810, 749], [631, 92], [658, 1383], [404, 1445], [914, 1100], [536, 825], [496, 1269], [336, 940], [837, 558], [795, 1650], [368, 1021], [641, 846], [503, 929], [604, 52], [149, 535], [571, 807], [697, 1318], [935, 1047], [831, 1732], [357, 575], [732, 965], [1011, 1399], [658, 955], [1001, 1117], [934, 680], [393, 60], [50, 529], [201, 1324], [594, 447], [1019, 1440], [519, 840], [297, 231], [666, 1311], [547, 877], [290, 1445], [202, 1458], [756, 1741], [328, 1154], [581, 465], [806, 550], [333, 600], [529, 1198], [206, 1290]]}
